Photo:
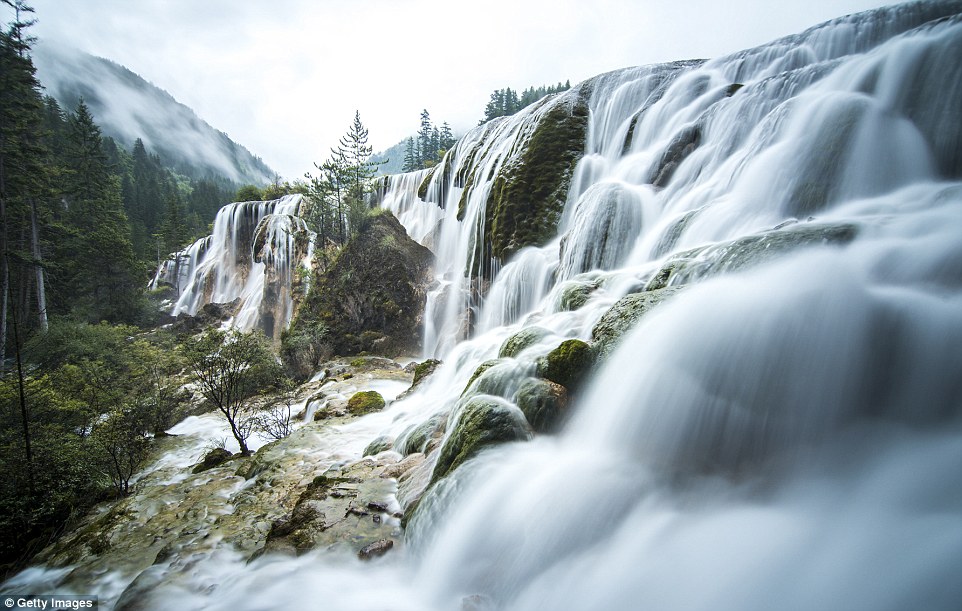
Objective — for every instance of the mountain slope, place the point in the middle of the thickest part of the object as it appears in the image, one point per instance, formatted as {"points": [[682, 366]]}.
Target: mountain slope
{"points": [[128, 107]]}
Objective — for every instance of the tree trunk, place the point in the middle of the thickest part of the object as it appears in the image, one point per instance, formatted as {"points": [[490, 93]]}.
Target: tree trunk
{"points": [[38, 264]]}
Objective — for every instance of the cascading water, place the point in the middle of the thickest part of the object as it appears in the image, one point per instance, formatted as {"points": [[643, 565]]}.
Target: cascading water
{"points": [[252, 255], [785, 432]]}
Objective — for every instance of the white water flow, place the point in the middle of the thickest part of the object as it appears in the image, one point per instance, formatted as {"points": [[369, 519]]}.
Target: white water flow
{"points": [[253, 255], [786, 435]]}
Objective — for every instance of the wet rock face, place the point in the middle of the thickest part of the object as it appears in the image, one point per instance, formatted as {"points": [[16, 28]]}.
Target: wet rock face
{"points": [[524, 338], [623, 316], [340, 508], [543, 403], [746, 252], [371, 298], [568, 364]]}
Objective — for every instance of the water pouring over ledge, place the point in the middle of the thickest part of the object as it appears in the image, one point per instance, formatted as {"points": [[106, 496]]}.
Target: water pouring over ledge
{"points": [[784, 432]]}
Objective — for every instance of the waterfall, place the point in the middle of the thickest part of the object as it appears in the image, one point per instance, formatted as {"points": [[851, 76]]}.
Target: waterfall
{"points": [[253, 256], [784, 432]]}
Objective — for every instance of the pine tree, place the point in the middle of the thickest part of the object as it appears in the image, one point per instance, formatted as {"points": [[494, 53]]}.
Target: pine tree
{"points": [[447, 137], [425, 146], [410, 156], [102, 277]]}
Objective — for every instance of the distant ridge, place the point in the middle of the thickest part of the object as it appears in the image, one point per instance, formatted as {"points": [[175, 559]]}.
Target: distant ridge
{"points": [[127, 107]]}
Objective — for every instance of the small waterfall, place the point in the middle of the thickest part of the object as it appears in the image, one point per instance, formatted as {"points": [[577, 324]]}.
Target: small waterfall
{"points": [[253, 255]]}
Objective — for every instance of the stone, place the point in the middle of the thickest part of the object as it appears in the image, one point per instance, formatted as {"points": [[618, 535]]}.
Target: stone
{"points": [[481, 422], [524, 338], [214, 458], [568, 364], [543, 403], [623, 316], [376, 549], [365, 402]]}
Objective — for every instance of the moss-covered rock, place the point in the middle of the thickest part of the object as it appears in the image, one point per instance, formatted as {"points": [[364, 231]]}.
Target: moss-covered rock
{"points": [[480, 370], [499, 377], [365, 402], [481, 422], [623, 316], [574, 294], [423, 370], [380, 444], [528, 193], [543, 403], [568, 364], [214, 458], [371, 298], [420, 437], [521, 340], [710, 261]]}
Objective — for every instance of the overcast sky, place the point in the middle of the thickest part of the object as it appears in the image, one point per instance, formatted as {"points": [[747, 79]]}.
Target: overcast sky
{"points": [[284, 77]]}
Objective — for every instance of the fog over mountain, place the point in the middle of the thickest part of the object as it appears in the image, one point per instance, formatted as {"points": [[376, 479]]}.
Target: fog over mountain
{"points": [[128, 107]]}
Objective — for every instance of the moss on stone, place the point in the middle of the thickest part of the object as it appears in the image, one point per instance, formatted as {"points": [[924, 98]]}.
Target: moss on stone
{"points": [[424, 369], [727, 257], [623, 316], [371, 297], [575, 294], [418, 438], [568, 364], [477, 373], [543, 403], [365, 402], [528, 194], [482, 422], [521, 340]]}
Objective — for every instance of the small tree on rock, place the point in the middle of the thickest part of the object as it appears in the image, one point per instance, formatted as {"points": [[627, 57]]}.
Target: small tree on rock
{"points": [[229, 368]]}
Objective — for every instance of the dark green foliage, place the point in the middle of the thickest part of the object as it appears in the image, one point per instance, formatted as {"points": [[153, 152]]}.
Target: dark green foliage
{"points": [[249, 193], [92, 394], [337, 197], [365, 402], [505, 102], [214, 458]]}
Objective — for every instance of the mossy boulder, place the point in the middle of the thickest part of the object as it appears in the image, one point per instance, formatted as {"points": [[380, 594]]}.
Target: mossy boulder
{"points": [[365, 402], [482, 421], [568, 364], [371, 298], [543, 403], [574, 294], [480, 370], [498, 377], [623, 316], [214, 458], [521, 340], [418, 438], [737, 255], [380, 444], [423, 370]]}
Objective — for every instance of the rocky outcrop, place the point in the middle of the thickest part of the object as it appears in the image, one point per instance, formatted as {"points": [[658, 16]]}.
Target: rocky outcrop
{"points": [[521, 340], [726, 257], [371, 298]]}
